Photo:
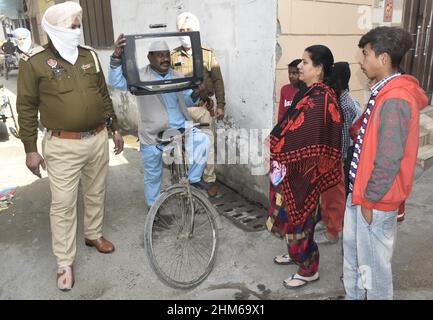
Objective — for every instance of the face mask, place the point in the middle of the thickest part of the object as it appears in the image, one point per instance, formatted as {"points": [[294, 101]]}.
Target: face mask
{"points": [[185, 41], [25, 45], [76, 37], [66, 41]]}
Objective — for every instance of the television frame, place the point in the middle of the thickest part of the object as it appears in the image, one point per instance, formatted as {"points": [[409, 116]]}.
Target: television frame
{"points": [[131, 71]]}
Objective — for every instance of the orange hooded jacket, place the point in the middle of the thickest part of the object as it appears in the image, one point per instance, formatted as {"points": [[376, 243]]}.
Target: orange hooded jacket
{"points": [[406, 88]]}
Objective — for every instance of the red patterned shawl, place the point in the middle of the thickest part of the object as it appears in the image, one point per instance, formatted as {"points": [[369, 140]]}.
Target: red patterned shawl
{"points": [[308, 142]]}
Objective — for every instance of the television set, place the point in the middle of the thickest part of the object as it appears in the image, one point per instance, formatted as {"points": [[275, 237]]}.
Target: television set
{"points": [[135, 61]]}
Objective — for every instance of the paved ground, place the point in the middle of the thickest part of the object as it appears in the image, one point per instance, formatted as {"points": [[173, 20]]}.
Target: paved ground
{"points": [[244, 268]]}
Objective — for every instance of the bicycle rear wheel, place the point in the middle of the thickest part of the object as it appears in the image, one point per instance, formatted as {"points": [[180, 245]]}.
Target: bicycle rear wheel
{"points": [[181, 260]]}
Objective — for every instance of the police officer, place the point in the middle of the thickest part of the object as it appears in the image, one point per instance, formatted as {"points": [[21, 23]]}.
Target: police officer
{"points": [[182, 61], [23, 38], [65, 83]]}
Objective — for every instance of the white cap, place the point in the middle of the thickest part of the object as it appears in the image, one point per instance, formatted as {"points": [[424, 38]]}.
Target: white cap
{"points": [[187, 20], [159, 46]]}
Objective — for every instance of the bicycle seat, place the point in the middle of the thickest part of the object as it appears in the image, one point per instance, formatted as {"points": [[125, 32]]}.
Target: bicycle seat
{"points": [[166, 137]]}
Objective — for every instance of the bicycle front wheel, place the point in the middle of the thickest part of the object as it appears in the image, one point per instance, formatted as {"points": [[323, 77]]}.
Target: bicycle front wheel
{"points": [[180, 256]]}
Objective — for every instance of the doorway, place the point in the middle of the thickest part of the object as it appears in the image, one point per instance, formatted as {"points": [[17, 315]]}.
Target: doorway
{"points": [[418, 20]]}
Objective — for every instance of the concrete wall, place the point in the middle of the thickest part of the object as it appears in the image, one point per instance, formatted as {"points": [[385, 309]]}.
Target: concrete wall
{"points": [[243, 33], [36, 9], [10, 8], [337, 24]]}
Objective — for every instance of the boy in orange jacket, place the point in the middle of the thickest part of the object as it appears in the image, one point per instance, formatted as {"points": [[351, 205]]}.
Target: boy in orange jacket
{"points": [[383, 166]]}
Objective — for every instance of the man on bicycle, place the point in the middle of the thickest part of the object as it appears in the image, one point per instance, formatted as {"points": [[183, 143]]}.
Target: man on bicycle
{"points": [[9, 49], [158, 113]]}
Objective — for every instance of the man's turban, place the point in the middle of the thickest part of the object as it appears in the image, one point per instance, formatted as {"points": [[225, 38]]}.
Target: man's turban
{"points": [[64, 14], [21, 33], [187, 20]]}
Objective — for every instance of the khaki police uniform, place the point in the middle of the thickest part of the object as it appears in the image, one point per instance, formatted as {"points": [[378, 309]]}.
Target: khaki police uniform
{"points": [[31, 52], [74, 103], [182, 62]]}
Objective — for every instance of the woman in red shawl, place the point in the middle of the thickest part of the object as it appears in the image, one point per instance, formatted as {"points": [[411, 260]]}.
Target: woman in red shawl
{"points": [[305, 160]]}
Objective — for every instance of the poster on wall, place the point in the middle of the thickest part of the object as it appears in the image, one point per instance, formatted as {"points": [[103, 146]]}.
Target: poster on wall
{"points": [[388, 11]]}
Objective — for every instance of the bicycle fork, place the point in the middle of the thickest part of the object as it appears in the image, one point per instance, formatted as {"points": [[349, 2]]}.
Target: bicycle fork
{"points": [[187, 226]]}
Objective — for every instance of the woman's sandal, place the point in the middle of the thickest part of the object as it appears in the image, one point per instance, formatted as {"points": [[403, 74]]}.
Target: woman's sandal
{"points": [[283, 259], [297, 281], [65, 278]]}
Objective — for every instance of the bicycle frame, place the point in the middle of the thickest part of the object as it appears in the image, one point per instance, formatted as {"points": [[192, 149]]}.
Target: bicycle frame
{"points": [[184, 235], [183, 180]]}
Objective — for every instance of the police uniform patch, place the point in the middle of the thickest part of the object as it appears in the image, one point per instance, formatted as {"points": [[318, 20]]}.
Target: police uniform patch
{"points": [[56, 68], [52, 63], [85, 67]]}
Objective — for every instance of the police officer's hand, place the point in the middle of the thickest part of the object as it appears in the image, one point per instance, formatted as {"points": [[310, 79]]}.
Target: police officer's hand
{"points": [[119, 44], [210, 106], [34, 161], [196, 92], [220, 113], [118, 143]]}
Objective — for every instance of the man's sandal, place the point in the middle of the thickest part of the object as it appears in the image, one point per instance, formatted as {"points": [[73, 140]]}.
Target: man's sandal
{"points": [[283, 259], [296, 281], [65, 278]]}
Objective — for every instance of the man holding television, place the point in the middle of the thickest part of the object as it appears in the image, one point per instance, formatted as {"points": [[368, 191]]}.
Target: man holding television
{"points": [[160, 112]]}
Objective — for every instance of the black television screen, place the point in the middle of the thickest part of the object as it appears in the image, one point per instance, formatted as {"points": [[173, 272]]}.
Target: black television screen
{"points": [[135, 62]]}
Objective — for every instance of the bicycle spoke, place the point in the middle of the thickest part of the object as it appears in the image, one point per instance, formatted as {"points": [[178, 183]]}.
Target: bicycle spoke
{"points": [[181, 262], [200, 253], [197, 256], [179, 258]]}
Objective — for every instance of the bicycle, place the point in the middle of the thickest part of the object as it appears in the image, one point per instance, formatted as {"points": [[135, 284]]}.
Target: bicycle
{"points": [[11, 63], [6, 104], [181, 231]]}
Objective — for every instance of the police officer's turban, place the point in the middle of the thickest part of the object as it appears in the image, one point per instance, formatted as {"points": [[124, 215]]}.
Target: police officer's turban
{"points": [[21, 33], [188, 20], [64, 14]]}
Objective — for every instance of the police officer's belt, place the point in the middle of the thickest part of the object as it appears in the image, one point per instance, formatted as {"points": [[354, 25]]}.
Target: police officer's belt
{"points": [[76, 135]]}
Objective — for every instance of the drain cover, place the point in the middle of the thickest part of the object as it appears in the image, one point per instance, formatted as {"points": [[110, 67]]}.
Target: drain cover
{"points": [[243, 213]]}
